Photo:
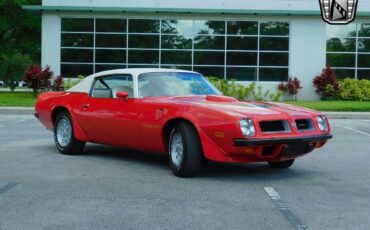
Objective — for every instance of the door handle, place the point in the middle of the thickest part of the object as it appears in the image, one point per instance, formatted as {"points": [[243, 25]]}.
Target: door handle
{"points": [[85, 106]]}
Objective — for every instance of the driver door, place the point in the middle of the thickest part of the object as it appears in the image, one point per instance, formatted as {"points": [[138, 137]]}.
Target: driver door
{"points": [[109, 120]]}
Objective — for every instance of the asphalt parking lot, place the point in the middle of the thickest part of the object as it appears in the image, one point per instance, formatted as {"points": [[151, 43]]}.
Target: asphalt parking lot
{"points": [[110, 188]]}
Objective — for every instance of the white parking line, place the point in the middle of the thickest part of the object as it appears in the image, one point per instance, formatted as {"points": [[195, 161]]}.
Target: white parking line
{"points": [[354, 130], [293, 220]]}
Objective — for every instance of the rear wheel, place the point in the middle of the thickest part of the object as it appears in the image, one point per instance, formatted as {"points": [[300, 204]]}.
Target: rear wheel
{"points": [[281, 164], [64, 138], [185, 150]]}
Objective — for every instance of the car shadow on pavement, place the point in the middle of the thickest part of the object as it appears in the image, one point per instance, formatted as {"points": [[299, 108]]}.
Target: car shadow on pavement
{"points": [[252, 171], [127, 155]]}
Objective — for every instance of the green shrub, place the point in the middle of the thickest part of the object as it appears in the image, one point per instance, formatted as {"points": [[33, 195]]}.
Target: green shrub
{"points": [[233, 89], [354, 90], [72, 82]]}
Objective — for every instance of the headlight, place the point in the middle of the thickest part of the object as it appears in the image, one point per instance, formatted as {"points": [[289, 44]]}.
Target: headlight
{"points": [[323, 124], [247, 127]]}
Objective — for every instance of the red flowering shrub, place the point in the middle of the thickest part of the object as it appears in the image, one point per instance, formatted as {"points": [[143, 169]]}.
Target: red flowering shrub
{"points": [[40, 79], [292, 87], [326, 84], [58, 83], [33, 77]]}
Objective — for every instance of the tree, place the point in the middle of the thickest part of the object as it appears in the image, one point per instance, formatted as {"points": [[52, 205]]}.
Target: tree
{"points": [[19, 28], [20, 35], [12, 66]]}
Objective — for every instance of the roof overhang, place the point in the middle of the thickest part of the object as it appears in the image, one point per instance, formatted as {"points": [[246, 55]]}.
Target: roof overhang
{"points": [[94, 9]]}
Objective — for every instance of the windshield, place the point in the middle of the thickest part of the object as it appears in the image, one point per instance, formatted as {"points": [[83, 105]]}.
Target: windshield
{"points": [[174, 84]]}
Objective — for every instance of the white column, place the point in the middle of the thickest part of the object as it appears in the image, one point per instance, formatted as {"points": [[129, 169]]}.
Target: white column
{"points": [[50, 41], [307, 53]]}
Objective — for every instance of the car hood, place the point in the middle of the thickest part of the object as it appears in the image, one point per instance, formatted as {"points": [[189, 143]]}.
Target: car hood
{"points": [[234, 107]]}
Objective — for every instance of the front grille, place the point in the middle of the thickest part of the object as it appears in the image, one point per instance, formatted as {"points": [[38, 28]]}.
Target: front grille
{"points": [[274, 126], [304, 124]]}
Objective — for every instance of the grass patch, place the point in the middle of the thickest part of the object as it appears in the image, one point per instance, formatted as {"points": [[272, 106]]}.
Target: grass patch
{"points": [[27, 99], [17, 99], [350, 106]]}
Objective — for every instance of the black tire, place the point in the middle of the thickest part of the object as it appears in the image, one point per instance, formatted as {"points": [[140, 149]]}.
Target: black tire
{"points": [[74, 146], [281, 164], [192, 153]]}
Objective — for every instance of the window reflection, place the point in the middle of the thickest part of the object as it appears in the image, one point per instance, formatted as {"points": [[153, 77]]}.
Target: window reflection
{"points": [[341, 47], [242, 58], [143, 41], [218, 48], [273, 74], [77, 40], [209, 27], [242, 43], [344, 44], [143, 26], [242, 73], [274, 28], [110, 56], [143, 56], [209, 58], [77, 55], [176, 42], [176, 57], [181, 27], [111, 25], [209, 42], [110, 40], [242, 28], [78, 24]]}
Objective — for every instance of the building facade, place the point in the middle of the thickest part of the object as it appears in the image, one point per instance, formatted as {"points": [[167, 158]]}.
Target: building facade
{"points": [[251, 41]]}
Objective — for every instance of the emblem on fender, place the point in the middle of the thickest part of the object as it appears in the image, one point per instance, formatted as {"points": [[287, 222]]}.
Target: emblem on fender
{"points": [[338, 11]]}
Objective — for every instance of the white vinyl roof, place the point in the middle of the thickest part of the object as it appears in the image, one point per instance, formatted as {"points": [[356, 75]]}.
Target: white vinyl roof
{"points": [[85, 85]]}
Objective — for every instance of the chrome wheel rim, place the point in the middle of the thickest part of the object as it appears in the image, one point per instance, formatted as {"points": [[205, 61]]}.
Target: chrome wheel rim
{"points": [[64, 132], [177, 150]]}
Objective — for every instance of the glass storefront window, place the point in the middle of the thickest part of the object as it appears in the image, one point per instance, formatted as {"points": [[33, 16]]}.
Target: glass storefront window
{"points": [[77, 40], [225, 49], [348, 50], [274, 28], [110, 56], [78, 25], [111, 25], [242, 28], [110, 40], [143, 26]]}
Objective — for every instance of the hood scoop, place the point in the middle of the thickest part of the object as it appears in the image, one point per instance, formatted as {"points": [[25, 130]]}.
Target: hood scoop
{"points": [[220, 98]]}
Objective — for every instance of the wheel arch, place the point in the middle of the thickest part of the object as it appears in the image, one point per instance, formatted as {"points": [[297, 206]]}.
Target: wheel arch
{"points": [[78, 132], [56, 111], [170, 124]]}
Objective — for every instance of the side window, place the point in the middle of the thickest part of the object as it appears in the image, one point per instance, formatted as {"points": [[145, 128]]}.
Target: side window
{"points": [[107, 87]]}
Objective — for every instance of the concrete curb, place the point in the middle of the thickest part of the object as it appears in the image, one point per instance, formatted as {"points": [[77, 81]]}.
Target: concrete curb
{"points": [[17, 110], [331, 115], [348, 115]]}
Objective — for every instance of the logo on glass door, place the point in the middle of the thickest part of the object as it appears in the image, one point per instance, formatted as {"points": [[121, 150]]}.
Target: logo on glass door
{"points": [[338, 11]]}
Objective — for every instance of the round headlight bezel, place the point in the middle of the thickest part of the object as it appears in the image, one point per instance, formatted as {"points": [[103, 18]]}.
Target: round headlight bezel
{"points": [[322, 123], [247, 127]]}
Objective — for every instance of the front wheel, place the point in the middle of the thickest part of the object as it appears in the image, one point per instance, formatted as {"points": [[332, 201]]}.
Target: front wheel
{"points": [[281, 164], [64, 138], [185, 151]]}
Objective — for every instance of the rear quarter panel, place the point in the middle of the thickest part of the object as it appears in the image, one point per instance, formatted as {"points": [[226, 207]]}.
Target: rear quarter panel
{"points": [[47, 103]]}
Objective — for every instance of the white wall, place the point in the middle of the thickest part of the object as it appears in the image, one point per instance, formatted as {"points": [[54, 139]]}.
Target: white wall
{"points": [[307, 55], [50, 41]]}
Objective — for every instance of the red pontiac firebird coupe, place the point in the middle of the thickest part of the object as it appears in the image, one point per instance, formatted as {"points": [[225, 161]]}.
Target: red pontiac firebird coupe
{"points": [[178, 113]]}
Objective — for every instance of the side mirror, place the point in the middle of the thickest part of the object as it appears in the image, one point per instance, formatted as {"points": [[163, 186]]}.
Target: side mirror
{"points": [[122, 94]]}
